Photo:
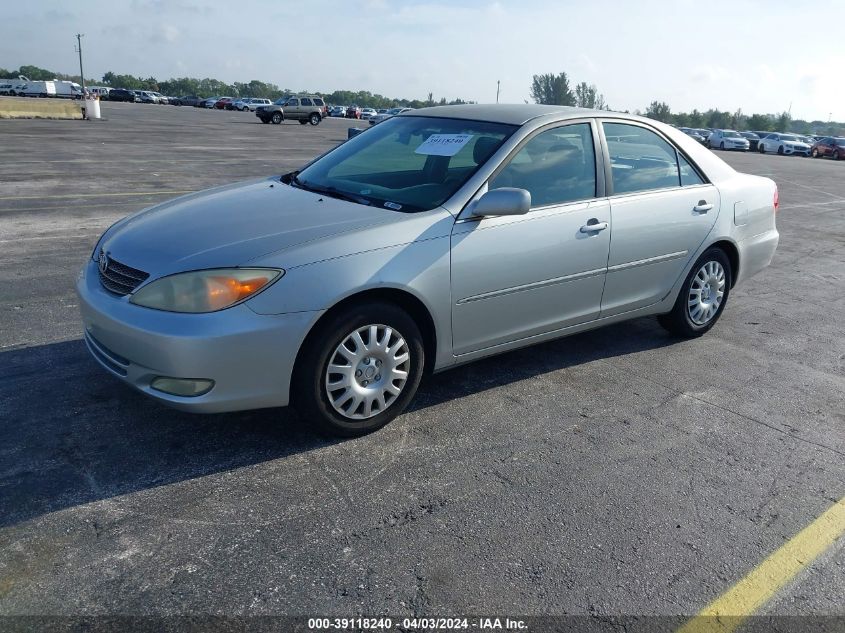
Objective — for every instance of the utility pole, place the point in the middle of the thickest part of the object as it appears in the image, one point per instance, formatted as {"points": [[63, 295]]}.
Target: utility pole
{"points": [[498, 83], [79, 50]]}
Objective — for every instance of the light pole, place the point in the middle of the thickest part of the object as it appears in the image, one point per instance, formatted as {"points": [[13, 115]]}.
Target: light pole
{"points": [[79, 50], [498, 83]]}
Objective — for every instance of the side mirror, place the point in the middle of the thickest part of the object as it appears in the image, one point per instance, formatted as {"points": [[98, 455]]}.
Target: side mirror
{"points": [[504, 201]]}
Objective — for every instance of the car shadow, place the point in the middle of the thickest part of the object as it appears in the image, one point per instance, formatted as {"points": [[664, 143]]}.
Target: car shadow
{"points": [[71, 434]]}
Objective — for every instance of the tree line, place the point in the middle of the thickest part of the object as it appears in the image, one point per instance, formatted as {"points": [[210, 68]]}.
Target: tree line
{"points": [[215, 88], [554, 89]]}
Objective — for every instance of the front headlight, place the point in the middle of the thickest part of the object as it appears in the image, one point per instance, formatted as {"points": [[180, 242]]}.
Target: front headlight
{"points": [[205, 290]]}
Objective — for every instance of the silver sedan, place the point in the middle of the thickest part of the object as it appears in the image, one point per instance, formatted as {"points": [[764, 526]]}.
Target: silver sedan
{"points": [[435, 238]]}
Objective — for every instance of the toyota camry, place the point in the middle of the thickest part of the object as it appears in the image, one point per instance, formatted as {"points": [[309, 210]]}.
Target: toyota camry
{"points": [[438, 237]]}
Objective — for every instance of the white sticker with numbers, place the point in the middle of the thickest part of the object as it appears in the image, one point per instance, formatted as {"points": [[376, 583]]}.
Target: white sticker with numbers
{"points": [[443, 144]]}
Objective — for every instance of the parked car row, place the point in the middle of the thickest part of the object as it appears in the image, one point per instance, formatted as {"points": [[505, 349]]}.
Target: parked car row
{"points": [[383, 115], [769, 142], [132, 96], [365, 114]]}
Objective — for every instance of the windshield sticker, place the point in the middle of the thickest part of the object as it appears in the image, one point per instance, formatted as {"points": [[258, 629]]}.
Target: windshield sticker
{"points": [[443, 144], [393, 205]]}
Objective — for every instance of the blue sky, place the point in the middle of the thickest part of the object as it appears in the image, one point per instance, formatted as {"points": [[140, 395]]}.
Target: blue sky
{"points": [[760, 56]]}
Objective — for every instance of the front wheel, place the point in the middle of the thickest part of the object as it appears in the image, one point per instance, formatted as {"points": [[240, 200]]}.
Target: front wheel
{"points": [[703, 296], [762, 148], [815, 153], [359, 370], [276, 118], [836, 155], [780, 150], [315, 119]]}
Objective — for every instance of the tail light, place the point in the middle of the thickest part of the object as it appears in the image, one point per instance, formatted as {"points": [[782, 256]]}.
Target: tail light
{"points": [[776, 201]]}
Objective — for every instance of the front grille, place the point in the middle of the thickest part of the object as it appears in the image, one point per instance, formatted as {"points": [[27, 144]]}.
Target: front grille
{"points": [[120, 278]]}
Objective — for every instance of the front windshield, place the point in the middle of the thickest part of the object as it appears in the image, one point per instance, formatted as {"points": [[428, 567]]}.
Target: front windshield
{"points": [[406, 163], [731, 135], [788, 137]]}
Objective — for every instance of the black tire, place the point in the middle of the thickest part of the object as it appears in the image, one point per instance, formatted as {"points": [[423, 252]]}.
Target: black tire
{"points": [[780, 150], [308, 390], [315, 119], [303, 122], [761, 148], [835, 155], [722, 145], [815, 152], [276, 118], [679, 321], [265, 120]]}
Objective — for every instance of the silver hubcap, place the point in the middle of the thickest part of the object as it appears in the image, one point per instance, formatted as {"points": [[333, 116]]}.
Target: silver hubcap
{"points": [[706, 292], [367, 371]]}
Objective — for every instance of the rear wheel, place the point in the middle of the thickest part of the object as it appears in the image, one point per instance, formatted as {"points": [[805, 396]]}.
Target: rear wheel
{"points": [[703, 296], [276, 118], [359, 370], [836, 155], [815, 153], [761, 148], [780, 150], [315, 119]]}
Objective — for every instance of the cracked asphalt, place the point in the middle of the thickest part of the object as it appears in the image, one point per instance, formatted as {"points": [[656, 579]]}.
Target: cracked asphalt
{"points": [[616, 472]]}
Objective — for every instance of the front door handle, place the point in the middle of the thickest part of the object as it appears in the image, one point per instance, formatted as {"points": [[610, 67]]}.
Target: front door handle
{"points": [[593, 228], [702, 207]]}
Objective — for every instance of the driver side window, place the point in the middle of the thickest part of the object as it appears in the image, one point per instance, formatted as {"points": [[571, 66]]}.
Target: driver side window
{"points": [[555, 167]]}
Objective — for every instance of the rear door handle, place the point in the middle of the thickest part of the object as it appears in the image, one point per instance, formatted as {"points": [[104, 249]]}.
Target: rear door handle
{"points": [[702, 207], [592, 228]]}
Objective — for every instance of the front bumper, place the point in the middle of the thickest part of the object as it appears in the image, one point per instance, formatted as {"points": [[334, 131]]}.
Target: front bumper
{"points": [[249, 356], [796, 151]]}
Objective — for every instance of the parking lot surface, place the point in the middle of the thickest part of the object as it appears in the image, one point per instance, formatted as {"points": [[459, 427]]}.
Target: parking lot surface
{"points": [[619, 471]]}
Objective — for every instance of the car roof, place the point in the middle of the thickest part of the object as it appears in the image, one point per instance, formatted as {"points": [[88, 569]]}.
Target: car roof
{"points": [[514, 114]]}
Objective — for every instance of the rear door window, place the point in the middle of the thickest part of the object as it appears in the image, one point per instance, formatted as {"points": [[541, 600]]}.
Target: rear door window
{"points": [[306, 102]]}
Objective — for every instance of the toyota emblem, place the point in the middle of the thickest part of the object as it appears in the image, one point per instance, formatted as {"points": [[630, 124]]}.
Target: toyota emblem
{"points": [[103, 261]]}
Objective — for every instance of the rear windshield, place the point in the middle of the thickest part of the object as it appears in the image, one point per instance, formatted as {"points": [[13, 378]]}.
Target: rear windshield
{"points": [[406, 163]]}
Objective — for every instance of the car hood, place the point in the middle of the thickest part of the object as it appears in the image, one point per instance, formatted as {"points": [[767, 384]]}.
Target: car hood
{"points": [[232, 225], [797, 144]]}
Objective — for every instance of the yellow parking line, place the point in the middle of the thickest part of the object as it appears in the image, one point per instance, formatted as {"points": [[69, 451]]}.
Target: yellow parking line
{"points": [[729, 610], [98, 195]]}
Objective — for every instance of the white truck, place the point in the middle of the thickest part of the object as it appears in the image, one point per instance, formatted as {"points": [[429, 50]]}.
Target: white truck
{"points": [[55, 88]]}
